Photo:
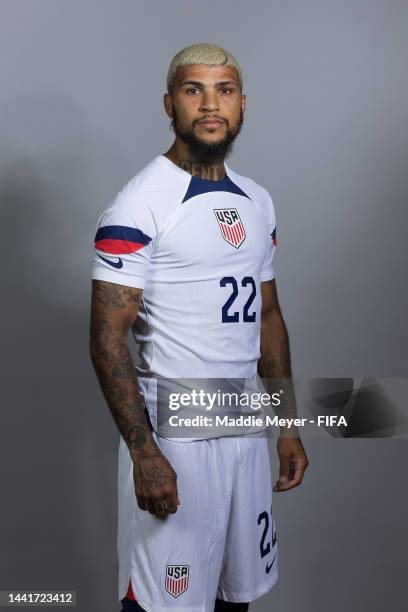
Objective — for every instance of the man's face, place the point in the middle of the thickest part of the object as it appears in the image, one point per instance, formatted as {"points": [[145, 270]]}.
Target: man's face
{"points": [[207, 109]]}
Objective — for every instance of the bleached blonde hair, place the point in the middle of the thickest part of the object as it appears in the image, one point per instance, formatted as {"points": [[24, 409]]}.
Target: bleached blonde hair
{"points": [[201, 53]]}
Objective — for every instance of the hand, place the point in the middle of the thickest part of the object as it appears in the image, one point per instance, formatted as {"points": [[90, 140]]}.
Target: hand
{"points": [[155, 484], [293, 463]]}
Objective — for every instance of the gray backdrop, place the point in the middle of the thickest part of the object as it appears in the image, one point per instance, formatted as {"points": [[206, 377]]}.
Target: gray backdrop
{"points": [[326, 133]]}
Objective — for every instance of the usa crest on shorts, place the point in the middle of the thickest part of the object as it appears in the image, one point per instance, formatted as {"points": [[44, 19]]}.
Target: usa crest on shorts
{"points": [[177, 579], [231, 226]]}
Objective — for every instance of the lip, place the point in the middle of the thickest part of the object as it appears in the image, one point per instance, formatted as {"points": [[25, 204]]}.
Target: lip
{"points": [[211, 122]]}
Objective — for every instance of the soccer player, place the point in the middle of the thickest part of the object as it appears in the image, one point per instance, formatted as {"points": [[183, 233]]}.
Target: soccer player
{"points": [[184, 259]]}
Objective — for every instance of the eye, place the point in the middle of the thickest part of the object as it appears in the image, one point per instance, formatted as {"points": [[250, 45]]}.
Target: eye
{"points": [[192, 91], [226, 90]]}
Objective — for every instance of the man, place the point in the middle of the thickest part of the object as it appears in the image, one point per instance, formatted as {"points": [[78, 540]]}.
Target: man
{"points": [[184, 259]]}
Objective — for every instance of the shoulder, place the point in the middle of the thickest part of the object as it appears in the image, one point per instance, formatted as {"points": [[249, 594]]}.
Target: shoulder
{"points": [[154, 188]]}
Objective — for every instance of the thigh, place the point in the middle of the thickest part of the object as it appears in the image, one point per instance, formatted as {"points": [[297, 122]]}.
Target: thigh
{"points": [[250, 561]]}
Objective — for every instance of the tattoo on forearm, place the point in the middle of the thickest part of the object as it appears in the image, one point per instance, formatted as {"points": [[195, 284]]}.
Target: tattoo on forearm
{"points": [[114, 365], [137, 436], [275, 354], [275, 366]]}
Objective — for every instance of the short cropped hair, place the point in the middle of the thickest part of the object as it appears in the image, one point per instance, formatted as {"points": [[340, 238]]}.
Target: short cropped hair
{"points": [[201, 53]]}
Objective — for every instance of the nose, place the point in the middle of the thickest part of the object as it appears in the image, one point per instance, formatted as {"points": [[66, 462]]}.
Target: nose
{"points": [[209, 101]]}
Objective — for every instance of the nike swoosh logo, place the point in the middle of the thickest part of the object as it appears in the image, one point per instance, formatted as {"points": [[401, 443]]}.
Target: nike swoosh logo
{"points": [[115, 264], [269, 567]]}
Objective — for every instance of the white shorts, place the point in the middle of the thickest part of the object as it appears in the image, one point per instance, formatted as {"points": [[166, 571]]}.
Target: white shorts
{"points": [[221, 542]]}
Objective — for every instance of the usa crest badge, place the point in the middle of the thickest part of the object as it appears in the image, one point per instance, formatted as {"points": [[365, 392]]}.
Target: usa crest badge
{"points": [[231, 226], [177, 579]]}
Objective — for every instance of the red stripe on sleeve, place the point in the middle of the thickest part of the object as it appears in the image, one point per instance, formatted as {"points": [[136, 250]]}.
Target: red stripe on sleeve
{"points": [[118, 247]]}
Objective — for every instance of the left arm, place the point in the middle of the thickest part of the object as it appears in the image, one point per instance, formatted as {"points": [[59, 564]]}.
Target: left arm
{"points": [[275, 357], [274, 363]]}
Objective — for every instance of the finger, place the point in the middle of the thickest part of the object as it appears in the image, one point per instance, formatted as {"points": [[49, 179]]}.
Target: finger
{"points": [[284, 486], [284, 472], [160, 506], [284, 467], [161, 509], [292, 470], [293, 482], [172, 503], [151, 506], [141, 502], [298, 472], [170, 494]]}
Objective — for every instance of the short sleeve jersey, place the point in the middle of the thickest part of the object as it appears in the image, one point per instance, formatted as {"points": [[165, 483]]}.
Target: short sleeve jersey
{"points": [[199, 249]]}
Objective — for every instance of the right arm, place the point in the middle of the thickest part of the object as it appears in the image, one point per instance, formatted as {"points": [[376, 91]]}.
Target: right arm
{"points": [[114, 309]]}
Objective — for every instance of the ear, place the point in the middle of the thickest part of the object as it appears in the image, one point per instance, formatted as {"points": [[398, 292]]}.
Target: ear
{"points": [[243, 103], [168, 104]]}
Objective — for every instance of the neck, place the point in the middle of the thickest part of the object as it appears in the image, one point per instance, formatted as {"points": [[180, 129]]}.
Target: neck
{"points": [[180, 156], [212, 172]]}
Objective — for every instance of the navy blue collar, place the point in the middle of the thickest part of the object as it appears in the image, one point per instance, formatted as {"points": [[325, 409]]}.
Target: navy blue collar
{"points": [[199, 185]]}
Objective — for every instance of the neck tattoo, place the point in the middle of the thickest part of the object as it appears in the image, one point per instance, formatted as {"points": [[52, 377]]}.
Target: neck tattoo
{"points": [[212, 172]]}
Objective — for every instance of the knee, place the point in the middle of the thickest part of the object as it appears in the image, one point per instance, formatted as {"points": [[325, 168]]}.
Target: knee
{"points": [[229, 606]]}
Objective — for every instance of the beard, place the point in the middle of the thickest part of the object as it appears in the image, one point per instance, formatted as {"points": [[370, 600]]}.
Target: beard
{"points": [[203, 152]]}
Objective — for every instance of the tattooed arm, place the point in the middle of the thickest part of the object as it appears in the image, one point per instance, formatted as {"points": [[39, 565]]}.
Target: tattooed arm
{"points": [[274, 363], [113, 311], [275, 357]]}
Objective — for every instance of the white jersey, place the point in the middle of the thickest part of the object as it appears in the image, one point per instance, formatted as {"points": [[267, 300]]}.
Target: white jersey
{"points": [[199, 249]]}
